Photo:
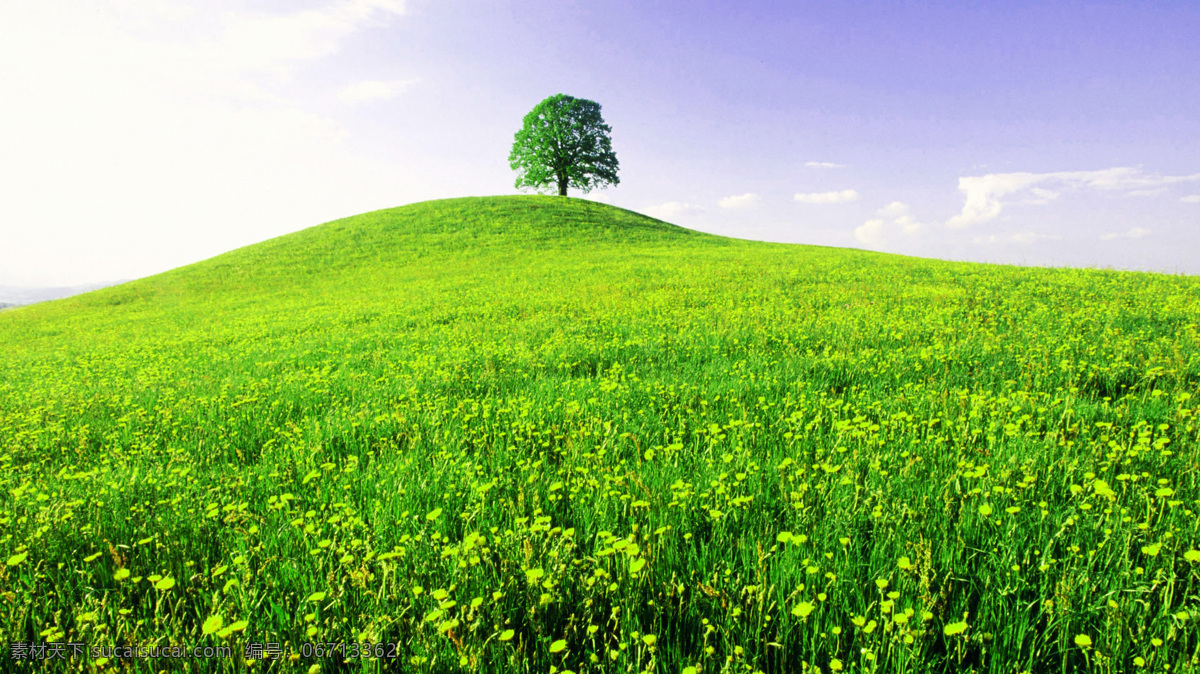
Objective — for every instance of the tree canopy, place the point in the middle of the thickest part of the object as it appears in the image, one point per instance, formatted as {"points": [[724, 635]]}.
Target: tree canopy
{"points": [[564, 141]]}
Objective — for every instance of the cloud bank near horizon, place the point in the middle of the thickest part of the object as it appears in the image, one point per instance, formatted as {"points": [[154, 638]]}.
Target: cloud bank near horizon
{"points": [[987, 195]]}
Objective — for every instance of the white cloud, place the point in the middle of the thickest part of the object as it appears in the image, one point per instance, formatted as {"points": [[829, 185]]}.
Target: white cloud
{"points": [[1033, 237], [741, 201], [673, 209], [269, 41], [1191, 199], [894, 218], [823, 164], [986, 195], [836, 197], [1043, 196], [983, 196], [871, 232], [374, 90], [1132, 233], [1020, 237]]}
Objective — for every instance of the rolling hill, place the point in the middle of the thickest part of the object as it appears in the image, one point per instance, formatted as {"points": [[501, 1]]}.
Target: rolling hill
{"points": [[540, 434]]}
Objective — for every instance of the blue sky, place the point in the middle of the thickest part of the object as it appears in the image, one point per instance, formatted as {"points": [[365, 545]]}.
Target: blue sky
{"points": [[147, 134]]}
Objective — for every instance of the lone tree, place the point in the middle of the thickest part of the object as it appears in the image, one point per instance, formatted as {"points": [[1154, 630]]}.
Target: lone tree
{"points": [[564, 140]]}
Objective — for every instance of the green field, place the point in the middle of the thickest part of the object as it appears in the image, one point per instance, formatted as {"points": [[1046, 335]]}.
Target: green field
{"points": [[544, 434]]}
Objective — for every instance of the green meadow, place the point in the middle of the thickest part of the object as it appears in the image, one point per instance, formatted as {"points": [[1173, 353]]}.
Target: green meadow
{"points": [[542, 434]]}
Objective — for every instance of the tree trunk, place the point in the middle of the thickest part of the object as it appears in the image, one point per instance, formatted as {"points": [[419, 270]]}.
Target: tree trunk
{"points": [[562, 186]]}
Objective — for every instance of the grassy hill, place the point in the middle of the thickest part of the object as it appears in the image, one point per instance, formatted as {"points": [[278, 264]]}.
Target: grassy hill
{"points": [[540, 434]]}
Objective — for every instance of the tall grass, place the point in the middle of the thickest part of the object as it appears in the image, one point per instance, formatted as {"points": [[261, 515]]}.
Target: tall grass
{"points": [[543, 434]]}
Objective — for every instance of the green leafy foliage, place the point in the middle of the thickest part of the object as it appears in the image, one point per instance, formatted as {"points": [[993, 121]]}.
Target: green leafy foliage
{"points": [[535, 433], [565, 142]]}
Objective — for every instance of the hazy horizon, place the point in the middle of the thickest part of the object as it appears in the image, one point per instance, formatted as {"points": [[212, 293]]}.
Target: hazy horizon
{"points": [[22, 295]]}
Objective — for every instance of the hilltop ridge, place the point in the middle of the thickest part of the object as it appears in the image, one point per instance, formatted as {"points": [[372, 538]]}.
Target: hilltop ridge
{"points": [[463, 225], [401, 236]]}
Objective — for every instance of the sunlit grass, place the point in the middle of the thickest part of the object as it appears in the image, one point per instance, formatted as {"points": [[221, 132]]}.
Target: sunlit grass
{"points": [[539, 434]]}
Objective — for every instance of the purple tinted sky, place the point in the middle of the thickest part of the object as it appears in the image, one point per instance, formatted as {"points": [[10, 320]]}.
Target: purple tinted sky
{"points": [[1039, 133]]}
